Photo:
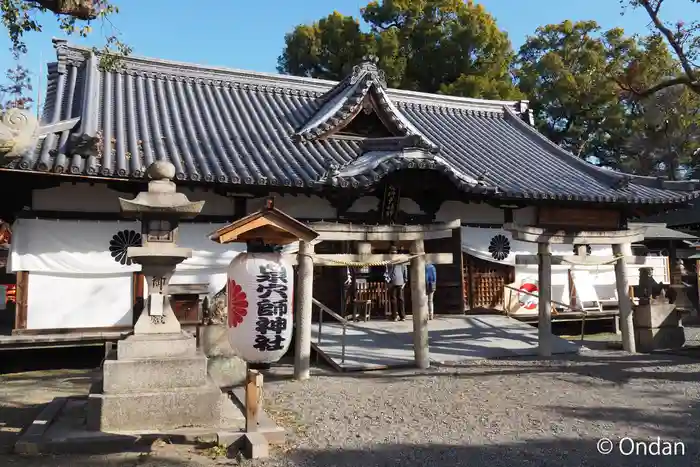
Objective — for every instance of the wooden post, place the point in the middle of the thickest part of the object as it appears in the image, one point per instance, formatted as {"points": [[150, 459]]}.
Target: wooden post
{"points": [[253, 400], [419, 305], [21, 300], [694, 311], [304, 304], [623, 298], [581, 250], [544, 297]]}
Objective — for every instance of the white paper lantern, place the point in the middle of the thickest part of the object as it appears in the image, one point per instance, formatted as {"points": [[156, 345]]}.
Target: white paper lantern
{"points": [[260, 290]]}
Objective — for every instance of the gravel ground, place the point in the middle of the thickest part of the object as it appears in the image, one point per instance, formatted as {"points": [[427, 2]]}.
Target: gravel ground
{"points": [[496, 413]]}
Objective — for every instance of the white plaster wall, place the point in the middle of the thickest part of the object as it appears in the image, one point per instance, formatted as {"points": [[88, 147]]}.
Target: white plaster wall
{"points": [[471, 213], [409, 206], [364, 204], [83, 197], [302, 206], [214, 205]]}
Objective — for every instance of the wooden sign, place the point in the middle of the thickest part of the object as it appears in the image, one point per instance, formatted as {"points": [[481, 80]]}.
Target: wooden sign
{"points": [[579, 218]]}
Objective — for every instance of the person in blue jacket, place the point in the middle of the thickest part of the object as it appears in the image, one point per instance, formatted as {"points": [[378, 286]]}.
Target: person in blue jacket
{"points": [[430, 285]]}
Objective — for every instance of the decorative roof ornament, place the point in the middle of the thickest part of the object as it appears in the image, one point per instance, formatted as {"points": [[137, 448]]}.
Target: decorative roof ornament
{"points": [[365, 90], [369, 66], [20, 131]]}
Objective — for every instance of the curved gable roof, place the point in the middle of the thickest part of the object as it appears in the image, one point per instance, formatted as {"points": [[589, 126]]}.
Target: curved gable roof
{"points": [[236, 127]]}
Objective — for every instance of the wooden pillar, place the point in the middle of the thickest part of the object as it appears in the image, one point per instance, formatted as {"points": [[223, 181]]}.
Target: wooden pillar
{"points": [[304, 304], [544, 273], [623, 298], [419, 305], [581, 250], [21, 300], [364, 248]]}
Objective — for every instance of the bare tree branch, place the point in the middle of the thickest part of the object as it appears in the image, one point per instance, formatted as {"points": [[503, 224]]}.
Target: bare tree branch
{"points": [[690, 79]]}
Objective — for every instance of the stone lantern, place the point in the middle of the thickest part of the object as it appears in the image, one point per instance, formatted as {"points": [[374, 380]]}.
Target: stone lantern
{"points": [[156, 379], [160, 210]]}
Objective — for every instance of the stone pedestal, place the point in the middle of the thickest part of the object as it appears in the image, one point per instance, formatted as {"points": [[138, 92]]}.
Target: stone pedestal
{"points": [[155, 382], [225, 368], [657, 326]]}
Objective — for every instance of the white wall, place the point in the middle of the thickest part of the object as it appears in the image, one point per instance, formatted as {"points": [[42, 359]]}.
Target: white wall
{"points": [[471, 213], [302, 206], [364, 204], [83, 197]]}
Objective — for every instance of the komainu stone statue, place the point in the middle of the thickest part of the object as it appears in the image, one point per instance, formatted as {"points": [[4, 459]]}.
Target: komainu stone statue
{"points": [[216, 308], [18, 129]]}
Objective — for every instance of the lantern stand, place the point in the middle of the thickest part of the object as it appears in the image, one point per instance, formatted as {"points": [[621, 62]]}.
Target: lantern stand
{"points": [[250, 333]]}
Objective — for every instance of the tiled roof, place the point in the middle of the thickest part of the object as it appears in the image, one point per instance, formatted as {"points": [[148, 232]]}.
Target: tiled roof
{"points": [[235, 127]]}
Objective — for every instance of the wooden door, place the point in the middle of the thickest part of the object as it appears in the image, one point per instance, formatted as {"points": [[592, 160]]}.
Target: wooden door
{"points": [[484, 282]]}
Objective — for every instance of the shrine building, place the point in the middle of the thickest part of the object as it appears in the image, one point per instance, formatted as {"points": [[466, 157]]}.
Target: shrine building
{"points": [[349, 152]]}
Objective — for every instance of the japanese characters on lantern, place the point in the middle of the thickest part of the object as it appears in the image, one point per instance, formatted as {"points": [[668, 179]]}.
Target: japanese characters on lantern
{"points": [[260, 288], [273, 312]]}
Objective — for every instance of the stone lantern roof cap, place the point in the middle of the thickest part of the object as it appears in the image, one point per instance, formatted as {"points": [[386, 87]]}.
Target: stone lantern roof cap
{"points": [[161, 197]]}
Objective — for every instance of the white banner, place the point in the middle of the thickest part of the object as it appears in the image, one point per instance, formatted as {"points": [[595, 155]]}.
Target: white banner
{"points": [[498, 246], [99, 247]]}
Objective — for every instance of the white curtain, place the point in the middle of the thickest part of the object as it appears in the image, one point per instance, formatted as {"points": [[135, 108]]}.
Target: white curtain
{"points": [[83, 247], [76, 281]]}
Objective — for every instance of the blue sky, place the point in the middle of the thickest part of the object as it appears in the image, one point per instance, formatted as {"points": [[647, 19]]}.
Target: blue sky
{"points": [[237, 34]]}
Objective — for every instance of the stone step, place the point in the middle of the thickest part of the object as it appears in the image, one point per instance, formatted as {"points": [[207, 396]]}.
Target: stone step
{"points": [[153, 374], [156, 345], [177, 408]]}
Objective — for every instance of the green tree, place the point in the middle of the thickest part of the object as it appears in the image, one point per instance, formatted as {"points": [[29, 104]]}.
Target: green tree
{"points": [[326, 49], [683, 37], [19, 17], [570, 72], [448, 46], [565, 70]]}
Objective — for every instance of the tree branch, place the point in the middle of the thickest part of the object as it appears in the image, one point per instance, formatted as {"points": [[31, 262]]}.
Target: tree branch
{"points": [[668, 34], [685, 80], [84, 10]]}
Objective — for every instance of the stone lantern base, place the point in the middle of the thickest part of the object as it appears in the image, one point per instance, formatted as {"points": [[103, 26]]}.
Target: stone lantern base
{"points": [[155, 382], [657, 326]]}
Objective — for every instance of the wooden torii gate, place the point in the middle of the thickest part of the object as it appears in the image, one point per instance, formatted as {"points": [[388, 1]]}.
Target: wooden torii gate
{"points": [[365, 235], [621, 241]]}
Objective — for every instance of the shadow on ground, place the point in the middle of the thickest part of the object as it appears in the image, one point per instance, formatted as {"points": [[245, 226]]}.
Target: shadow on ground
{"points": [[13, 419], [547, 453], [614, 367]]}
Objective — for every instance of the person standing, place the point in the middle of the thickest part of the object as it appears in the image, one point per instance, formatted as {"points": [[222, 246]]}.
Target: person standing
{"points": [[430, 285], [396, 277]]}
